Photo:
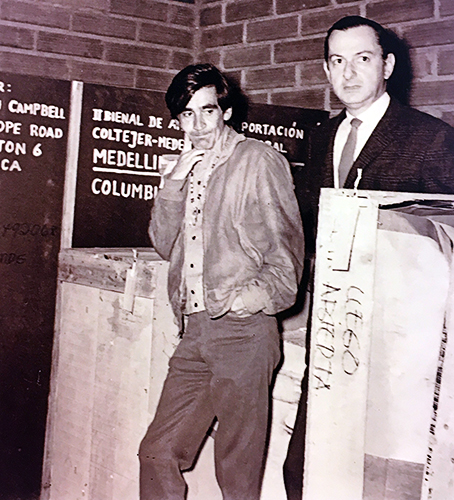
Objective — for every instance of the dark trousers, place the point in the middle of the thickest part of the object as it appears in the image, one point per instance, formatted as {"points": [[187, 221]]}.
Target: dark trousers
{"points": [[221, 369], [294, 462]]}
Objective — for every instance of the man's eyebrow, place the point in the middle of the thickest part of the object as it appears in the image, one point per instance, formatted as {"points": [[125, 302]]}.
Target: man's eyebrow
{"points": [[366, 51]]}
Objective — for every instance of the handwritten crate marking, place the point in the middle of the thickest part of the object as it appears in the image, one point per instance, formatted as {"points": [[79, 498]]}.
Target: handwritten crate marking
{"points": [[340, 345]]}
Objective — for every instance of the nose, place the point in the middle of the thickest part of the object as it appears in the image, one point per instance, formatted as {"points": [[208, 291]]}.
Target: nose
{"points": [[199, 122], [349, 70]]}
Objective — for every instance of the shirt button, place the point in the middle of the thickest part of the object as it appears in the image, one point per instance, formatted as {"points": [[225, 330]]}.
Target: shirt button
{"points": [[191, 265], [192, 291], [196, 305], [193, 237]]}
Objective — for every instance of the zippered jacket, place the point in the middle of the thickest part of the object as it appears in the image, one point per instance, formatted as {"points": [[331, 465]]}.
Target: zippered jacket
{"points": [[252, 230]]}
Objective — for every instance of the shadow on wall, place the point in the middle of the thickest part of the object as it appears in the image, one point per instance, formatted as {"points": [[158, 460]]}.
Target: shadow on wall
{"points": [[399, 84]]}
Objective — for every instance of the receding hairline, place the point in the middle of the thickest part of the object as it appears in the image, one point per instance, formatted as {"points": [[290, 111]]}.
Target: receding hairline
{"points": [[346, 30], [382, 35]]}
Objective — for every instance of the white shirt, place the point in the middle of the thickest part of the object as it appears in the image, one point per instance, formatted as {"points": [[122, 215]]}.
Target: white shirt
{"points": [[369, 118]]}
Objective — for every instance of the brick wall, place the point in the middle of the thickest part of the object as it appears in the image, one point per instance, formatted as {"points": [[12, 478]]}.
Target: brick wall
{"points": [[127, 43], [275, 47]]}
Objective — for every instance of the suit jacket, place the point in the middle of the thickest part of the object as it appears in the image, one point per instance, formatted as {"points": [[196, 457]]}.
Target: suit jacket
{"points": [[408, 151]]}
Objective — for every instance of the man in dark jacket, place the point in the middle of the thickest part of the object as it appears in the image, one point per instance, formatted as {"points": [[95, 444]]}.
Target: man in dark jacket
{"points": [[227, 219], [375, 143]]}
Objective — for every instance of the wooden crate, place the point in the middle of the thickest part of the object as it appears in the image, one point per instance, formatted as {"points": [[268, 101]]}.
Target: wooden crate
{"points": [[114, 337], [381, 375]]}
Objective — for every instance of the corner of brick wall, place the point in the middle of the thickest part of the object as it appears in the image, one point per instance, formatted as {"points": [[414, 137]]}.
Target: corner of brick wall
{"points": [[126, 43], [275, 47]]}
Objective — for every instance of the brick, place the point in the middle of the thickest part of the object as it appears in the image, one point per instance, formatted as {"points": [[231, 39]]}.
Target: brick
{"points": [[104, 25], [392, 11], [446, 7], [427, 93], [180, 60], [234, 76], [211, 15], [153, 80], [210, 56], [247, 56], [312, 72], [260, 98], [44, 15], [90, 72], [91, 4], [310, 98], [448, 117], [166, 35], [446, 62], [148, 9], [320, 22], [273, 29], [270, 78], [71, 45], [422, 63], [301, 50], [20, 38], [134, 54], [426, 35], [225, 35], [286, 6], [240, 10], [182, 15], [13, 62]]}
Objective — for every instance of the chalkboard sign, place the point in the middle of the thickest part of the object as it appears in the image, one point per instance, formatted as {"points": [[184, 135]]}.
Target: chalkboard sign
{"points": [[33, 136], [284, 128], [124, 133]]}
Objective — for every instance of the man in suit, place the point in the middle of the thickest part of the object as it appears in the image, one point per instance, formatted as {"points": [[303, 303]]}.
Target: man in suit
{"points": [[398, 148], [375, 143]]}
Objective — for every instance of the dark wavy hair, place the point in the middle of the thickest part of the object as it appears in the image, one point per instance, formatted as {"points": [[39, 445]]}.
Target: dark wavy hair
{"points": [[384, 37], [192, 78]]}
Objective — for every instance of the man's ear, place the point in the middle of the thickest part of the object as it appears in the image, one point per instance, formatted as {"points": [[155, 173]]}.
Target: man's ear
{"points": [[327, 73], [390, 62], [227, 114]]}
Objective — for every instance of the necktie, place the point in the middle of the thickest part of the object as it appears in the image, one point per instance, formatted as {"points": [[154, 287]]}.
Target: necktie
{"points": [[348, 152]]}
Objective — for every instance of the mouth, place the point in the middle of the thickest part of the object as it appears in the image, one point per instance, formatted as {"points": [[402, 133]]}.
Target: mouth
{"points": [[351, 88]]}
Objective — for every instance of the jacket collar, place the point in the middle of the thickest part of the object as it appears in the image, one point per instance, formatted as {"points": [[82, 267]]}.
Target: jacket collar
{"points": [[228, 141], [378, 141]]}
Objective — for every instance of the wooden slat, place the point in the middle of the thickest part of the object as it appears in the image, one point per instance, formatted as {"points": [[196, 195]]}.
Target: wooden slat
{"points": [[106, 269], [340, 341]]}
